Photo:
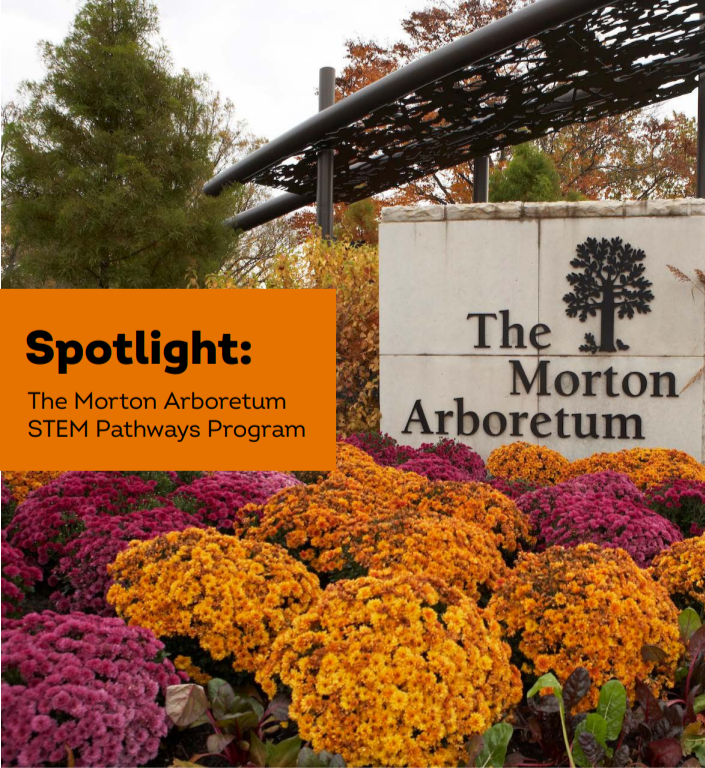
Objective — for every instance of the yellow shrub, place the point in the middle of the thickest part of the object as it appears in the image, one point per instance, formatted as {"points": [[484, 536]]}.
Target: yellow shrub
{"points": [[393, 671], [588, 607], [233, 597]]}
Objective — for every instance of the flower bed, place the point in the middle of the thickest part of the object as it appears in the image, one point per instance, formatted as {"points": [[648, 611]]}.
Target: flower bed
{"points": [[18, 577], [681, 570], [56, 513], [217, 499], [456, 598]]}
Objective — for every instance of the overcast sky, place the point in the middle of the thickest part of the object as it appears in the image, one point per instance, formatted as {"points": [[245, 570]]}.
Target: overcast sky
{"points": [[262, 54]]}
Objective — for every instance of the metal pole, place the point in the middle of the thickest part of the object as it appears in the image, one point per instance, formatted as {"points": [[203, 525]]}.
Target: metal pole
{"points": [[481, 180], [267, 211], [324, 189], [700, 188]]}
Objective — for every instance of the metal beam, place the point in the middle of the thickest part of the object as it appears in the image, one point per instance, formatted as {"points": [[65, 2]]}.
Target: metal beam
{"points": [[487, 41], [272, 209], [324, 191]]}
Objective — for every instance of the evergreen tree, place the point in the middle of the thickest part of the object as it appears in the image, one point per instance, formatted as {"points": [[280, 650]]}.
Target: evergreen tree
{"points": [[104, 162], [530, 176]]}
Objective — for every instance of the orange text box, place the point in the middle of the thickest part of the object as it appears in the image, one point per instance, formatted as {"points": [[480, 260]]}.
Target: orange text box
{"points": [[88, 408]]}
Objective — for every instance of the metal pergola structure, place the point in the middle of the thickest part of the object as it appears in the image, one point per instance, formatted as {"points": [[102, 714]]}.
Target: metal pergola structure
{"points": [[548, 65]]}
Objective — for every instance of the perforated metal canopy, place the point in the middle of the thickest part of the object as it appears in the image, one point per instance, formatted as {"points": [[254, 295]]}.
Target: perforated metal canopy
{"points": [[551, 64]]}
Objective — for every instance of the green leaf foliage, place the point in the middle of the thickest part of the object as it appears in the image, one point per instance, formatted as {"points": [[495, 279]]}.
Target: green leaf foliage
{"points": [[284, 754], [612, 706], [309, 759], [548, 680], [530, 176], [596, 725], [104, 161], [496, 740], [688, 622]]}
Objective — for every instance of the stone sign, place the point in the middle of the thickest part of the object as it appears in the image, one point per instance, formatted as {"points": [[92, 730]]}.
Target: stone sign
{"points": [[552, 323]]}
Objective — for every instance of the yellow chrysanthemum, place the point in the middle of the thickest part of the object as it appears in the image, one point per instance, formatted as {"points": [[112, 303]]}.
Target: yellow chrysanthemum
{"points": [[681, 570], [589, 607], [233, 597], [22, 483], [337, 525], [535, 464], [645, 466], [393, 671]]}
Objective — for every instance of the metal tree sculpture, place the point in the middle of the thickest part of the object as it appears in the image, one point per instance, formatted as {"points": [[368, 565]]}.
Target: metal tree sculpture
{"points": [[611, 281]]}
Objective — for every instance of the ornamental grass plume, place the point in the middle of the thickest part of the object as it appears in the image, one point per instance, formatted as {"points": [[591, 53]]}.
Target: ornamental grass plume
{"points": [[681, 570], [82, 574], [218, 498], [231, 597], [18, 578], [588, 607], [393, 671], [682, 502], [645, 466], [56, 514], [23, 483], [82, 683], [534, 464], [606, 509]]}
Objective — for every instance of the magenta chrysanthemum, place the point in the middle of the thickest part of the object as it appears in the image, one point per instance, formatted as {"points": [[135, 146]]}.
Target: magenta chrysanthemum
{"points": [[217, 499], [605, 508], [82, 573], [434, 468], [55, 514], [682, 502], [386, 452], [82, 683], [18, 576]]}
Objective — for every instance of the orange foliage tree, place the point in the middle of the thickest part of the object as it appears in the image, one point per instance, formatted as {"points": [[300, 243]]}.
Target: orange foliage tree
{"points": [[352, 268]]}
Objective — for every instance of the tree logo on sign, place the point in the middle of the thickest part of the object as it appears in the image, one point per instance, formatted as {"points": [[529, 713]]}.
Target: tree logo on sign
{"points": [[611, 282]]}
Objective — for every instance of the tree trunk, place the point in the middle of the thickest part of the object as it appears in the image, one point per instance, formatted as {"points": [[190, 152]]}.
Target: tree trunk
{"points": [[607, 320]]}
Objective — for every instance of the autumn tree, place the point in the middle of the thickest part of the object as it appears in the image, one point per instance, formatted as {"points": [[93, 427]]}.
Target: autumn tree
{"points": [[638, 155], [352, 269], [611, 281], [104, 160]]}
